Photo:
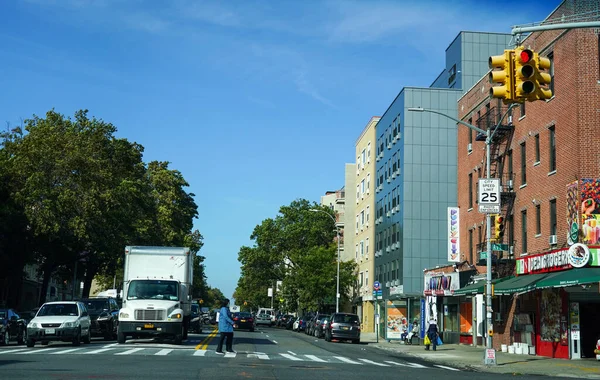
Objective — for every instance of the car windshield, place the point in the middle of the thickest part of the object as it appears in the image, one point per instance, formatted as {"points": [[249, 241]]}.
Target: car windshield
{"points": [[243, 315], [152, 289], [345, 318], [58, 309], [195, 309], [96, 306]]}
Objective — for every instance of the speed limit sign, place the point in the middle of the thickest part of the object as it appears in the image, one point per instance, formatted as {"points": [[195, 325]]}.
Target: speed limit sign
{"points": [[489, 195]]}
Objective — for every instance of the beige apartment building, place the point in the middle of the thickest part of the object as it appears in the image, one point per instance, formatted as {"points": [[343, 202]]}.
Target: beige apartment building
{"points": [[364, 227]]}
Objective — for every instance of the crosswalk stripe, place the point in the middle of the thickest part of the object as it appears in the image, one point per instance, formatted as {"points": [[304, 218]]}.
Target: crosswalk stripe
{"points": [[98, 351], [129, 352], [316, 358], [200, 353], [372, 362], [40, 351], [291, 357], [412, 365], [259, 356], [65, 351], [346, 360], [12, 351], [165, 351], [444, 367], [230, 354]]}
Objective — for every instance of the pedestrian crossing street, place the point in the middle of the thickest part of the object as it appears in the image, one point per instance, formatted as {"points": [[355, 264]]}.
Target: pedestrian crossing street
{"points": [[119, 350]]}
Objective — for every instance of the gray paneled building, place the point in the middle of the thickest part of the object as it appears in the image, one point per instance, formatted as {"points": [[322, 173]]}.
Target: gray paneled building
{"points": [[416, 170]]}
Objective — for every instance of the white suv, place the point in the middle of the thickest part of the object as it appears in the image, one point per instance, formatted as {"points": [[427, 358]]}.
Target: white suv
{"points": [[65, 321]]}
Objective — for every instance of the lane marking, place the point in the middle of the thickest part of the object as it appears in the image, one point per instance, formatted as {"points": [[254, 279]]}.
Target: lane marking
{"points": [[12, 351], [259, 356], [346, 360], [110, 345], [164, 351], [274, 341], [40, 351], [315, 358], [444, 367], [293, 353], [200, 353], [374, 363], [411, 365], [204, 344], [291, 357], [98, 351], [230, 354], [65, 351], [129, 352]]}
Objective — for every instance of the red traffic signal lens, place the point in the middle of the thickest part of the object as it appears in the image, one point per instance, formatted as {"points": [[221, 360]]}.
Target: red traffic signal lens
{"points": [[526, 55], [499, 220]]}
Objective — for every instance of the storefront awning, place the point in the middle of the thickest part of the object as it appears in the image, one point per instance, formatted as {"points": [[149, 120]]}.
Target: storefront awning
{"points": [[478, 287], [579, 276], [519, 284]]}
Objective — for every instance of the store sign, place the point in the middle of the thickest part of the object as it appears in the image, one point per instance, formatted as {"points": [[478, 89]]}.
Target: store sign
{"points": [[441, 284], [544, 263], [579, 255], [395, 290]]}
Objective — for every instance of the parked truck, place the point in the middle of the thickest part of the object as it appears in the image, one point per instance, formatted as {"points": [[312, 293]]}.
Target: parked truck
{"points": [[157, 288]]}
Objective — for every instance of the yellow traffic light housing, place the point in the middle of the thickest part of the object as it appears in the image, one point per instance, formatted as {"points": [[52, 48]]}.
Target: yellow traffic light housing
{"points": [[524, 64], [503, 74], [498, 228], [544, 78]]}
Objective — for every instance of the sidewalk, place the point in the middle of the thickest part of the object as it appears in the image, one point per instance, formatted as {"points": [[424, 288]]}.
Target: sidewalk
{"points": [[468, 357]]}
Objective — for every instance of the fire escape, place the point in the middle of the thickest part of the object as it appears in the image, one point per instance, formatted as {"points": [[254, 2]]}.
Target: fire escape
{"points": [[502, 253]]}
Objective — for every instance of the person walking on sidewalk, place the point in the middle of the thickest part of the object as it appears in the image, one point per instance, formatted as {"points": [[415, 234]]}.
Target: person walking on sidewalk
{"points": [[225, 328], [432, 334]]}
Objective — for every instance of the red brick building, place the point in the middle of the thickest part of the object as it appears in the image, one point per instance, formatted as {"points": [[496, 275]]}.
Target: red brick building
{"points": [[547, 156]]}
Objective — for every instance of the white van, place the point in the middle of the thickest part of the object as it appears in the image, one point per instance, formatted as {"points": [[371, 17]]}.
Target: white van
{"points": [[269, 312]]}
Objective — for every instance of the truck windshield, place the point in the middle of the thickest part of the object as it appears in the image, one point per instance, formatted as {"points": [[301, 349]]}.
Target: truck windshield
{"points": [[152, 289]]}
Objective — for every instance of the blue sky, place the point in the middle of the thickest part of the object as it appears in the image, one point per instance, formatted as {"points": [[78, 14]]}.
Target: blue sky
{"points": [[257, 103]]}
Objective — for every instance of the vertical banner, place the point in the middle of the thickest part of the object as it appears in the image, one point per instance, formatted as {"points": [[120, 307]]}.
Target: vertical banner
{"points": [[453, 235], [423, 316], [573, 213]]}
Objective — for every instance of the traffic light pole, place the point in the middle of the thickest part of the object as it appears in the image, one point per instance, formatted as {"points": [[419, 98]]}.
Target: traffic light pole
{"points": [[488, 142]]}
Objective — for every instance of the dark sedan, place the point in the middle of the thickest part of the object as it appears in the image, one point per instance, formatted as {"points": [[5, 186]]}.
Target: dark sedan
{"points": [[243, 321], [104, 315], [12, 327]]}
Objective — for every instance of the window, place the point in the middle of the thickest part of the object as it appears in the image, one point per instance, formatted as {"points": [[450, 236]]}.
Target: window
{"points": [[523, 164], [510, 164], [368, 212], [552, 155], [470, 131], [538, 219], [357, 192], [362, 248], [523, 109], [367, 246], [368, 152], [356, 253], [524, 231], [471, 244], [470, 190], [360, 279], [393, 233], [398, 232], [367, 278], [452, 74], [357, 219], [364, 157], [553, 217], [537, 148], [362, 187], [362, 218], [368, 181]]}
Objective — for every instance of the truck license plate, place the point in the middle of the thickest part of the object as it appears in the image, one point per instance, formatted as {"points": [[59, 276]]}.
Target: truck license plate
{"points": [[149, 326], [243, 320], [50, 331]]}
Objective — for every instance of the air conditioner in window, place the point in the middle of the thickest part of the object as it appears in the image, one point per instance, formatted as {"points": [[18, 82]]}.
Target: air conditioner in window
{"points": [[387, 284], [552, 240], [511, 251], [469, 147]]}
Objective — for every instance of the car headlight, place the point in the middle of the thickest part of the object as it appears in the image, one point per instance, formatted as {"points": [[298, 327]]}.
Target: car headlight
{"points": [[175, 316], [70, 324], [123, 315], [32, 325], [103, 317]]}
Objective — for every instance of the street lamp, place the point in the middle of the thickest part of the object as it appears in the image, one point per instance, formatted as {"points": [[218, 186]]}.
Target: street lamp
{"points": [[337, 288], [488, 141]]}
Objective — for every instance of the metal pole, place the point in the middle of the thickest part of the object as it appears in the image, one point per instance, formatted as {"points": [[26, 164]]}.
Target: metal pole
{"points": [[337, 290], [569, 25], [488, 291]]}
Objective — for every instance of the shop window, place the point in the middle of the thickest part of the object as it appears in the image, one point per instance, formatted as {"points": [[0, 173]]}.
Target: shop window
{"points": [[451, 318], [466, 315]]}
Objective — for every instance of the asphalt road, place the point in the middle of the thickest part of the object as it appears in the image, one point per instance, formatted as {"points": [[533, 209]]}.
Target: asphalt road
{"points": [[267, 353]]}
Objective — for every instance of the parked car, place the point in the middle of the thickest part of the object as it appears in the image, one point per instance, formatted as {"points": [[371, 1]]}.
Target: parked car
{"points": [[196, 319], [12, 327], [65, 321], [343, 326], [290, 323], [263, 319], [283, 319], [243, 321], [104, 316]]}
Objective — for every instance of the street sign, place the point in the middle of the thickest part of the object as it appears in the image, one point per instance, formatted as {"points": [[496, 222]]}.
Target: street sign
{"points": [[489, 195], [376, 285], [499, 247]]}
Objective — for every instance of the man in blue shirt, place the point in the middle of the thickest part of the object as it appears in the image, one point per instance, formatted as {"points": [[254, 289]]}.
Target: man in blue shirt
{"points": [[225, 328]]}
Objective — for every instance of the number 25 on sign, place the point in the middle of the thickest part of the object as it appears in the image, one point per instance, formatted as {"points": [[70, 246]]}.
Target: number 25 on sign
{"points": [[489, 195]]}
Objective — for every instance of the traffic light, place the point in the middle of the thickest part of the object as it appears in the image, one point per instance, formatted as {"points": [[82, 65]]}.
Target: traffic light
{"points": [[498, 227], [504, 76], [524, 74], [544, 78]]}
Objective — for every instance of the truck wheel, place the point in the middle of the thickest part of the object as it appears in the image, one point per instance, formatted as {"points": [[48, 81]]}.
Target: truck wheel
{"points": [[30, 342], [120, 337]]}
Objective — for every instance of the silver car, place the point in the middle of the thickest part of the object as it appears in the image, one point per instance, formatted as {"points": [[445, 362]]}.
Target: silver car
{"points": [[263, 319], [343, 326], [65, 321]]}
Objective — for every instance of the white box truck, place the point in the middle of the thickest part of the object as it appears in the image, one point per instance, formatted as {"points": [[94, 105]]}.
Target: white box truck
{"points": [[157, 296]]}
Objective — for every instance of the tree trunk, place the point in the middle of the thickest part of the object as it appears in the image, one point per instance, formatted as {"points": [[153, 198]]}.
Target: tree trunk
{"points": [[48, 269], [87, 281]]}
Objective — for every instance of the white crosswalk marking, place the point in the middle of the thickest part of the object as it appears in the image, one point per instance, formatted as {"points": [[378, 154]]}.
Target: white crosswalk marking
{"points": [[230, 354], [98, 351], [412, 365], [316, 358], [40, 351], [198, 353], [259, 356], [374, 363], [346, 360], [129, 352], [65, 351], [291, 357], [164, 351], [444, 367], [12, 351]]}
